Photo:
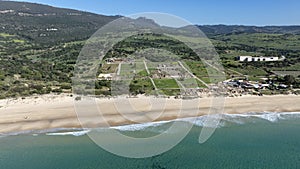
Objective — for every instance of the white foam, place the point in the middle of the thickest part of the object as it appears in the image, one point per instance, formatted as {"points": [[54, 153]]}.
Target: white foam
{"points": [[206, 120], [74, 133], [271, 117], [142, 126], [291, 114], [217, 120]]}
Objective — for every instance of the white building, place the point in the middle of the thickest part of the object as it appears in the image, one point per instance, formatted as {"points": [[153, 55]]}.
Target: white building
{"points": [[105, 76], [257, 59]]}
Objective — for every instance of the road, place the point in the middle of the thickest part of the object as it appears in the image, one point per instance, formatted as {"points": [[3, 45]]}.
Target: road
{"points": [[192, 74], [148, 72]]}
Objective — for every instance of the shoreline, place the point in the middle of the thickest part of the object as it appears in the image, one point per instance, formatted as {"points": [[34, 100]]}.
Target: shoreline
{"points": [[271, 117], [50, 112]]}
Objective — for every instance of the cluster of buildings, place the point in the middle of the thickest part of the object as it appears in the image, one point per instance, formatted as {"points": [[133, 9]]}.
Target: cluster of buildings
{"points": [[245, 84], [259, 58], [252, 85]]}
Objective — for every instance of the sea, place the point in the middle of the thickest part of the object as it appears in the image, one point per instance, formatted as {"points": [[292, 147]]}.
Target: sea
{"points": [[249, 141]]}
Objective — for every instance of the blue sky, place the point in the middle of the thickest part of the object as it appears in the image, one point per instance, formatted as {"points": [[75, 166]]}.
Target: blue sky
{"points": [[241, 12]]}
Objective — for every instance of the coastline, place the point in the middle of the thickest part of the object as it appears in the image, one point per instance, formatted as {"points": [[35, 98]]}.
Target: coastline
{"points": [[50, 112]]}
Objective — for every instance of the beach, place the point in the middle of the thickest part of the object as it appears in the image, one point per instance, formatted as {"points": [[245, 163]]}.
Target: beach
{"points": [[58, 111], [44, 132]]}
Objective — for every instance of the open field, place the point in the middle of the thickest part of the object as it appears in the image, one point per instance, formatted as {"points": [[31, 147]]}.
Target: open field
{"points": [[166, 83]]}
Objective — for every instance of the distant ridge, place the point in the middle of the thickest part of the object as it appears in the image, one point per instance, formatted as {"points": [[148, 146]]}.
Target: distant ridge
{"points": [[49, 25], [235, 29]]}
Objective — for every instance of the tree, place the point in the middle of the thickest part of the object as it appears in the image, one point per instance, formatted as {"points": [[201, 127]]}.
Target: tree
{"points": [[289, 79]]}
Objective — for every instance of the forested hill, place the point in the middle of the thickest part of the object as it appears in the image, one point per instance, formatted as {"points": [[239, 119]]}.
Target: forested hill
{"points": [[211, 30], [46, 24], [40, 44]]}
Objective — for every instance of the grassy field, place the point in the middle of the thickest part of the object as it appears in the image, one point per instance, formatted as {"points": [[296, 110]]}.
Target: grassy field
{"points": [[196, 67], [141, 86], [127, 69], [141, 74], [139, 66], [166, 83], [251, 71], [189, 83]]}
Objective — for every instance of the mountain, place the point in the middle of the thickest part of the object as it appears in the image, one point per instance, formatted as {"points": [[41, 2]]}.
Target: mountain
{"points": [[50, 25], [235, 29], [46, 24], [40, 44]]}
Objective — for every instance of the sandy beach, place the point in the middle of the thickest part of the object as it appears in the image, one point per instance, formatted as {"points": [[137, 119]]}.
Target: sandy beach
{"points": [[58, 111]]}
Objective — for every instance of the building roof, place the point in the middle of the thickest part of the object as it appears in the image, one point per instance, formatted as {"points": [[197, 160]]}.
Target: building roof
{"points": [[105, 75]]}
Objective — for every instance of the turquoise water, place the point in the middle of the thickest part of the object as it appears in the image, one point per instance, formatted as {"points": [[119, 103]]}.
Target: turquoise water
{"points": [[239, 143]]}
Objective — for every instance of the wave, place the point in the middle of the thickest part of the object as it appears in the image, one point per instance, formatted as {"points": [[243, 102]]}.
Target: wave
{"points": [[223, 119], [73, 133], [142, 126], [39, 132], [216, 120]]}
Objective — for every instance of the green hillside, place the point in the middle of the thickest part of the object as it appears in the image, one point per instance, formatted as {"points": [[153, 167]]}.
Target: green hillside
{"points": [[39, 46]]}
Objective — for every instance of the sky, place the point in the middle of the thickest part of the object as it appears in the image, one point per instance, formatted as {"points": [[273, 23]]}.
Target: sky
{"points": [[202, 12]]}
